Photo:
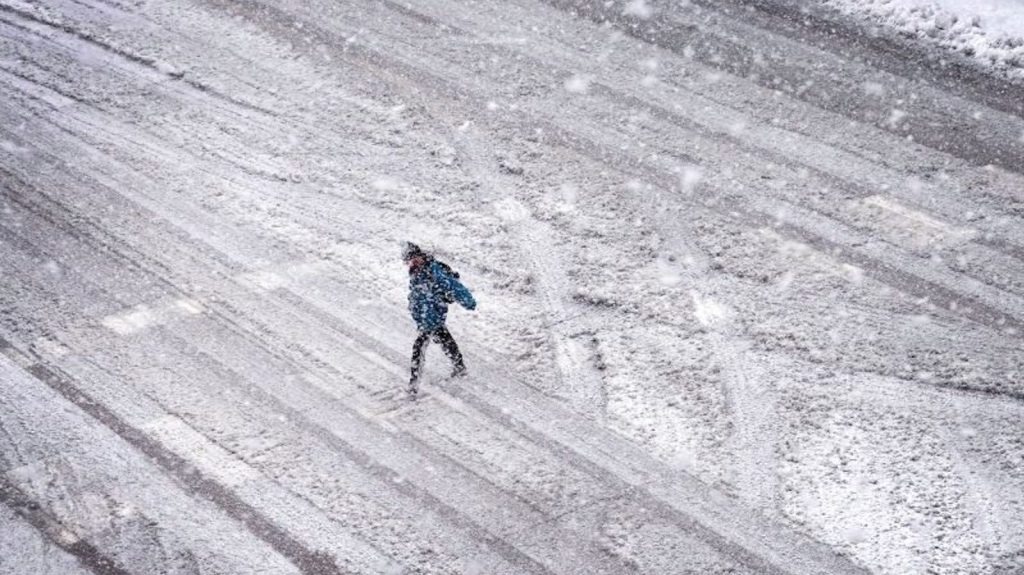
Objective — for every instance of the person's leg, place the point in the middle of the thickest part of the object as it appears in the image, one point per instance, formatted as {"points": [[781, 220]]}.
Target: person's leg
{"points": [[451, 349], [418, 348]]}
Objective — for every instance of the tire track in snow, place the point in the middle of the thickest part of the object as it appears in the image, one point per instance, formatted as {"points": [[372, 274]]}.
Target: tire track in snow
{"points": [[573, 357], [581, 382], [750, 401], [176, 465], [388, 480], [901, 280], [406, 475], [188, 478], [991, 143], [950, 416], [399, 457], [29, 550], [822, 27], [748, 397], [73, 42], [709, 517], [753, 411], [716, 542], [105, 491], [762, 145], [331, 428], [994, 523], [502, 411], [839, 164], [533, 417], [877, 265], [146, 64], [724, 544], [575, 366], [403, 74], [49, 527], [300, 416]]}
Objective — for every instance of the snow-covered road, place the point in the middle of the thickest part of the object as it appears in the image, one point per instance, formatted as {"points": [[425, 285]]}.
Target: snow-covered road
{"points": [[751, 290]]}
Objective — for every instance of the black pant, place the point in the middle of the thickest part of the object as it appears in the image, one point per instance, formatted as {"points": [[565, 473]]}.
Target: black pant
{"points": [[443, 337]]}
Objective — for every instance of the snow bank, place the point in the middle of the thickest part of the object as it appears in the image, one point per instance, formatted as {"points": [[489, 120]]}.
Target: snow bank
{"points": [[989, 31]]}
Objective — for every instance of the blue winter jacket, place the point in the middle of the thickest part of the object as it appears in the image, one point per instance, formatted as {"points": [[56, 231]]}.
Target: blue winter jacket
{"points": [[428, 285]]}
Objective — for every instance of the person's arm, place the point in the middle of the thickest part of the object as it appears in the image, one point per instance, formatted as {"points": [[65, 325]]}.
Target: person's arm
{"points": [[452, 286]]}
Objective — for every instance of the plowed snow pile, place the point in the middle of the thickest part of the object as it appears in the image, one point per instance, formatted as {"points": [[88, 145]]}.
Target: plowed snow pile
{"points": [[990, 31]]}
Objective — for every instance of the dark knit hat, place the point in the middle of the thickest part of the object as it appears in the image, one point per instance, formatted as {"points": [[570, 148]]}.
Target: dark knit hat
{"points": [[411, 251]]}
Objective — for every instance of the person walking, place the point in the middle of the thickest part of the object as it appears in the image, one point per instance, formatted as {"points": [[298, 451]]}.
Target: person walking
{"points": [[432, 286]]}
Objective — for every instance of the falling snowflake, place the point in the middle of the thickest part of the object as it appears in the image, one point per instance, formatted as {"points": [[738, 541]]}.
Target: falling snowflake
{"points": [[578, 83], [638, 8]]}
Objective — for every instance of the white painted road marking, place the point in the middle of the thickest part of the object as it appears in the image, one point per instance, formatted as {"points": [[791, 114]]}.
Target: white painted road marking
{"points": [[143, 316]]}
